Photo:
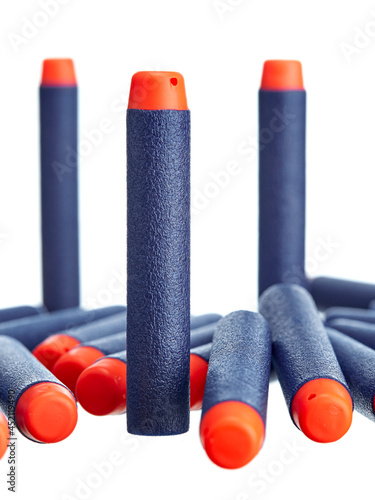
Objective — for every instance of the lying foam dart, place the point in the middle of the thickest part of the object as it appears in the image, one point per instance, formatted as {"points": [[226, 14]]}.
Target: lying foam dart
{"points": [[43, 409], [357, 330], [330, 292], [313, 384], [349, 313], [19, 312]]}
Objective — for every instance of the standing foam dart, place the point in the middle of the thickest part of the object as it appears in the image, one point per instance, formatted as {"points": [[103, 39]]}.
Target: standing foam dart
{"points": [[313, 384], [349, 314], [232, 427], [358, 365], [357, 330], [282, 121], [44, 410], [101, 388], [51, 349], [158, 253], [70, 366], [19, 312], [59, 190], [330, 292], [4, 435], [32, 331]]}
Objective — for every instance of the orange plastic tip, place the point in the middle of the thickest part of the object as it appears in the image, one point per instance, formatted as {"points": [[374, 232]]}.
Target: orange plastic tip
{"points": [[157, 90], [323, 410], [101, 388], [51, 349], [46, 412], [58, 73], [4, 435], [232, 433], [70, 366], [282, 75], [198, 375]]}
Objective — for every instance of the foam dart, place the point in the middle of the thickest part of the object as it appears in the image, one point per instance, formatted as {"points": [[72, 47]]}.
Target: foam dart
{"points": [[331, 292], [203, 320], [357, 330], [232, 427], [70, 366], [357, 362], [32, 331], [349, 313], [282, 122], [43, 409], [4, 435], [313, 384], [158, 254], [101, 387], [19, 312], [51, 349], [59, 184]]}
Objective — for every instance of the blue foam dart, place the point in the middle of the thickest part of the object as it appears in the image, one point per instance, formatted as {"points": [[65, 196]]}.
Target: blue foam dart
{"points": [[331, 292], [59, 185], [19, 312], [31, 397], [357, 330], [313, 384], [50, 350], [158, 253], [32, 331], [234, 410], [349, 313], [358, 365], [282, 117]]}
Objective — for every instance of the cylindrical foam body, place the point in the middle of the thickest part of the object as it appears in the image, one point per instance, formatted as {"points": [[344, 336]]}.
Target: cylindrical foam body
{"points": [[331, 292], [350, 313], [19, 312], [282, 116], [158, 266], [357, 330]]}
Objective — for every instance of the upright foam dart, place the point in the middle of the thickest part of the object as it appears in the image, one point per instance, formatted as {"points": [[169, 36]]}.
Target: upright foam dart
{"points": [[282, 117], [19, 312], [32, 331], [51, 349], [358, 365], [4, 435], [59, 190], [331, 292], [43, 409], [357, 330], [349, 313], [158, 253], [70, 366], [314, 387], [101, 388], [232, 427]]}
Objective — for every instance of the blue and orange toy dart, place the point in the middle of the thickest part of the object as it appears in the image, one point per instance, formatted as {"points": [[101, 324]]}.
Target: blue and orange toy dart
{"points": [[4, 434], [158, 255], [312, 381], [282, 120], [59, 184], [44, 410], [232, 427]]}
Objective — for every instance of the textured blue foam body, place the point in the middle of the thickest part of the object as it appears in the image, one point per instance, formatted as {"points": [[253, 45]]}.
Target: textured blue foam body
{"points": [[19, 370], [328, 292], [158, 286], [357, 330], [202, 335], [32, 331], [18, 312], [108, 345], [358, 365], [203, 351], [204, 319], [282, 117], [349, 313], [99, 328], [240, 362], [301, 350], [59, 191]]}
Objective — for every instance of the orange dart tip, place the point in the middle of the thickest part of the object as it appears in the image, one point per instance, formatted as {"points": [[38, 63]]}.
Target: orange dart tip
{"points": [[282, 75], [51, 349], [58, 73]]}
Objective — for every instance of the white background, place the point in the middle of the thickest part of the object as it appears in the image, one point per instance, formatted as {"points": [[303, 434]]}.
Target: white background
{"points": [[220, 53]]}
